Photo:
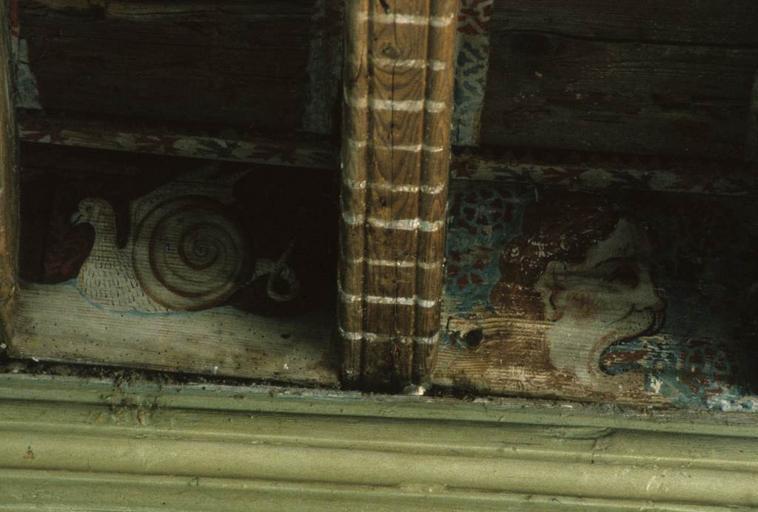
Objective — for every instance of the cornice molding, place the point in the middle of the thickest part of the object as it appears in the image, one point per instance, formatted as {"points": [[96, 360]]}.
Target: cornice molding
{"points": [[72, 444]]}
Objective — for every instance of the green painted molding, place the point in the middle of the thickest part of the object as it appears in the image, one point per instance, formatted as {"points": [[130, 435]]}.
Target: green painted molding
{"points": [[71, 444]]}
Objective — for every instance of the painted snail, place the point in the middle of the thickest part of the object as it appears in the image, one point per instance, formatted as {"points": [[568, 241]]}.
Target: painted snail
{"points": [[187, 252]]}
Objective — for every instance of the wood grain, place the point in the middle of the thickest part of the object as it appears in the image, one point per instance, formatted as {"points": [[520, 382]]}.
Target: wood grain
{"points": [[321, 114], [221, 341], [608, 172], [618, 82], [706, 22], [573, 170], [586, 74], [9, 215], [232, 63], [395, 151]]}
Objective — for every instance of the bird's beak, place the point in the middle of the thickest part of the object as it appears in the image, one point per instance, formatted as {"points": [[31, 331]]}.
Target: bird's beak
{"points": [[76, 218]]}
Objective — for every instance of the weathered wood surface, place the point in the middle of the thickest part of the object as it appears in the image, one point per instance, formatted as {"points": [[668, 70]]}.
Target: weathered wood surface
{"points": [[395, 153], [560, 169], [56, 323], [598, 172], [581, 75], [9, 216], [233, 63], [155, 262], [322, 103], [700, 22], [603, 77], [161, 139], [631, 298]]}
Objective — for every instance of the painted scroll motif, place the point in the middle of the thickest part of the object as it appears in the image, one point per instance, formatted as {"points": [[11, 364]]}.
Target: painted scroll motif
{"points": [[629, 299]]}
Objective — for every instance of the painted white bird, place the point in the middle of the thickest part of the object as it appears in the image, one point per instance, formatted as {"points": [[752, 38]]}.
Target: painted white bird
{"points": [[185, 252]]}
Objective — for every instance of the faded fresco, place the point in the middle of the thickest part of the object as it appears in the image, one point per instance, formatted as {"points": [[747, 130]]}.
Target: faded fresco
{"points": [[638, 298], [177, 264]]}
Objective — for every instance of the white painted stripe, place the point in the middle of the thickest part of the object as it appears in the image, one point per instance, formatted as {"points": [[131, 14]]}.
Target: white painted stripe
{"points": [[408, 19], [398, 224], [374, 337], [434, 265], [413, 148], [389, 301], [433, 107], [413, 189], [433, 64]]}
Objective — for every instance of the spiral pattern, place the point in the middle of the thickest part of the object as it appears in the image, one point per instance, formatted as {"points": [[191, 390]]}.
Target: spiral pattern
{"points": [[189, 254]]}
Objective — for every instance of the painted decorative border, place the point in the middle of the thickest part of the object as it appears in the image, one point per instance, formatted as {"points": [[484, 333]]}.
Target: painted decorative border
{"points": [[570, 170], [472, 64]]}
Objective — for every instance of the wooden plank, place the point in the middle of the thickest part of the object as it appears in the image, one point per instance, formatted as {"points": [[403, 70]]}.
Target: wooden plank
{"points": [[163, 139], [9, 216], [598, 172], [564, 90], [571, 170], [395, 154], [175, 64], [233, 63], [630, 297], [704, 22], [219, 342]]}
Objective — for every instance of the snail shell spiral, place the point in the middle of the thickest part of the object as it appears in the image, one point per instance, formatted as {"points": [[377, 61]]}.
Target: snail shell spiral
{"points": [[190, 254]]}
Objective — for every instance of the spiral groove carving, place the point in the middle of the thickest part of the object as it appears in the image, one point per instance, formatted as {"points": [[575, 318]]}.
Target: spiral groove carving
{"points": [[190, 254]]}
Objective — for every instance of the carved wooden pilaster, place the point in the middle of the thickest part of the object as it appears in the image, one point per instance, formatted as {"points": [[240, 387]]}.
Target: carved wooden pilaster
{"points": [[8, 182], [395, 161]]}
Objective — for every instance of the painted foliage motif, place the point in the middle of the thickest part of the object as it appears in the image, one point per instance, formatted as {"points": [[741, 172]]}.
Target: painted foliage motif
{"points": [[471, 67], [632, 298]]}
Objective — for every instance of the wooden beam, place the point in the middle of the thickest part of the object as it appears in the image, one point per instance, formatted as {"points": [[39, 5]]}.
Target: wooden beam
{"points": [[599, 172], [8, 184], [159, 139], [572, 170], [395, 157], [594, 75]]}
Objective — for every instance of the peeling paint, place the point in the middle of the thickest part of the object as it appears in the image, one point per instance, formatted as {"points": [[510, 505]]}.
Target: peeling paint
{"points": [[630, 299], [472, 64]]}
